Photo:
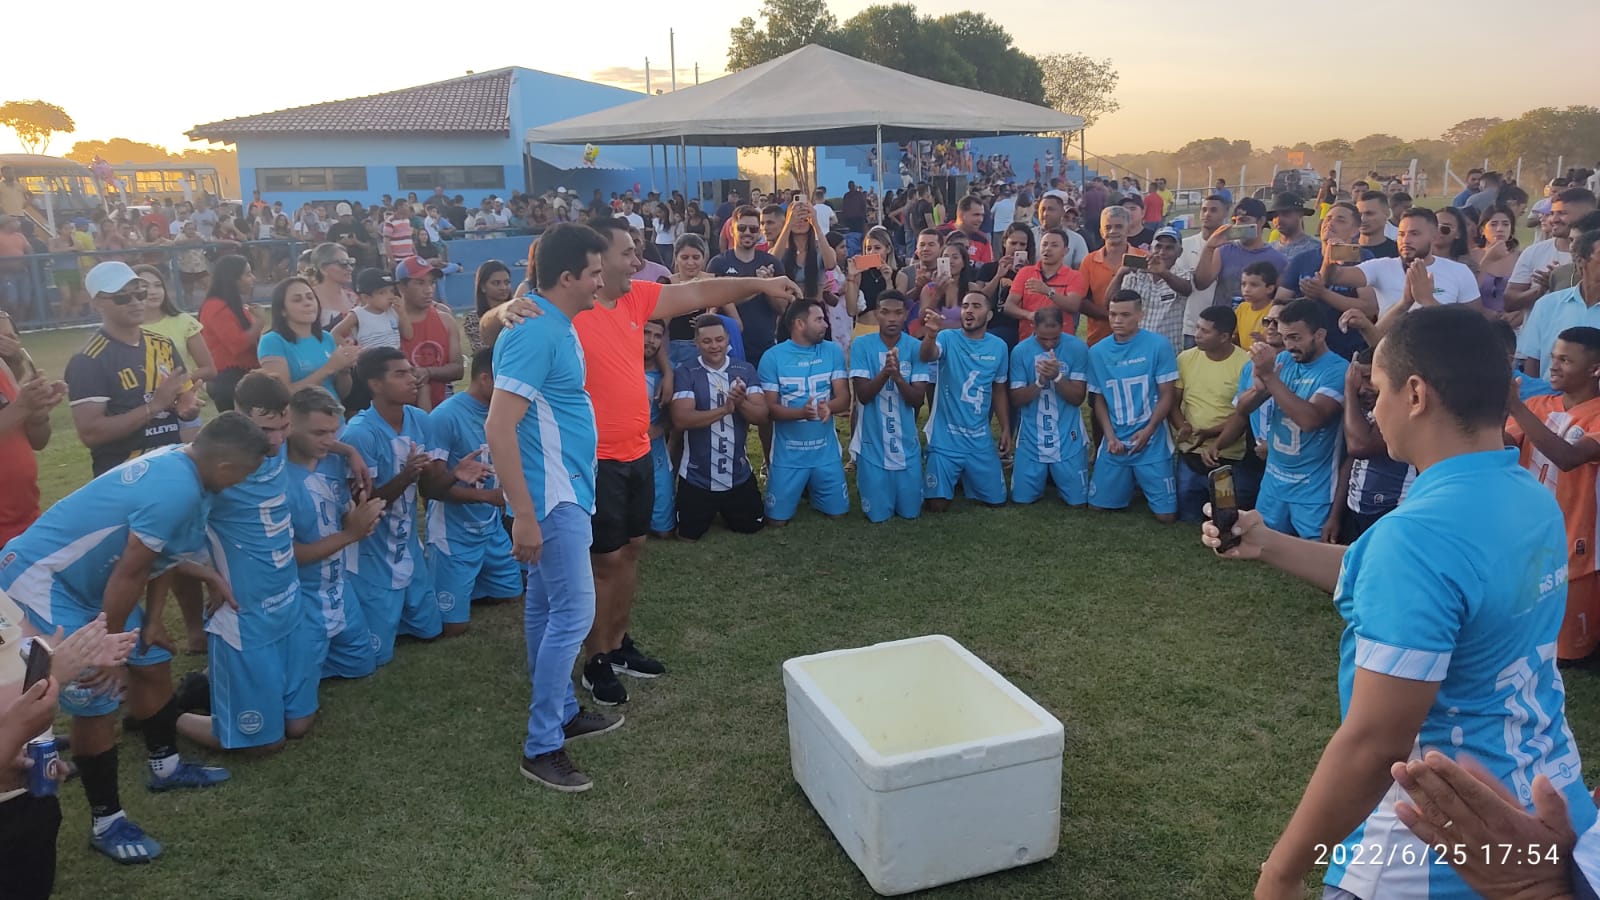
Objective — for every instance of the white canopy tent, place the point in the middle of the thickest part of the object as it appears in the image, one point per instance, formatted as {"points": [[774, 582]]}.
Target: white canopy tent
{"points": [[812, 96]]}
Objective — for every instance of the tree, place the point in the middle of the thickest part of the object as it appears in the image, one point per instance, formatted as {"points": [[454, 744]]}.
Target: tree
{"points": [[1219, 152], [34, 121], [790, 25], [1333, 150], [1079, 85], [1469, 131], [1541, 136], [998, 67]]}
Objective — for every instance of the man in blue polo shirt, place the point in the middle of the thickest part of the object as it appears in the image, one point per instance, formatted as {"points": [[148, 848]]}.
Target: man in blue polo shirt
{"points": [[1305, 432], [890, 381], [1555, 313], [541, 432], [805, 384], [1442, 649]]}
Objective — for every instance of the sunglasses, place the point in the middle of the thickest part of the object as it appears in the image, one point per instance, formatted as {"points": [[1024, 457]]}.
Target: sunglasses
{"points": [[1270, 322], [123, 298], [747, 229]]}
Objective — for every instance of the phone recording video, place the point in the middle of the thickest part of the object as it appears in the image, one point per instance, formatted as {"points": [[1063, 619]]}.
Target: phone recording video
{"points": [[1135, 261], [1240, 232], [1224, 506]]}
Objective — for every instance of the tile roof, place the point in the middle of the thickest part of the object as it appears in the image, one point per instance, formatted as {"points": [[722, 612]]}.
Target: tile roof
{"points": [[473, 104]]}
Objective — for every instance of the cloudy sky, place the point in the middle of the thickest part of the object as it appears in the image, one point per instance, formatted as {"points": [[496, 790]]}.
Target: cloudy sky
{"points": [[1265, 70]]}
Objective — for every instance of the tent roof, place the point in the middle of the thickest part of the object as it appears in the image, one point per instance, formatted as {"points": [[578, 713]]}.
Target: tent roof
{"points": [[813, 96]]}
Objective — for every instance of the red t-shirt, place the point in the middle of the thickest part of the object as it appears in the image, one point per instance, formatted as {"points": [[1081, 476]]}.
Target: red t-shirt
{"points": [[613, 354], [19, 483], [430, 346], [231, 347], [1154, 208]]}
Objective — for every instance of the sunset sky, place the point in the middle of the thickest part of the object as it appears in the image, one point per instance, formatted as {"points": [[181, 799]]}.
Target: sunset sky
{"points": [[1265, 70]]}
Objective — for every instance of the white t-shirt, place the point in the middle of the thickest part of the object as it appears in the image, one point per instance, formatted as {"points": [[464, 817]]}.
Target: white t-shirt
{"points": [[1005, 212], [1536, 257], [635, 220], [1199, 298], [825, 217], [1391, 231], [1452, 281]]}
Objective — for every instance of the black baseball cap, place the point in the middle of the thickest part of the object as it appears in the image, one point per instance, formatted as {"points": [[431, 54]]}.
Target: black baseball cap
{"points": [[371, 281]]}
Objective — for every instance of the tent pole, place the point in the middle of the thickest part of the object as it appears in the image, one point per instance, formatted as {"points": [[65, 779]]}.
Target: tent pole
{"points": [[652, 146], [878, 174], [683, 165]]}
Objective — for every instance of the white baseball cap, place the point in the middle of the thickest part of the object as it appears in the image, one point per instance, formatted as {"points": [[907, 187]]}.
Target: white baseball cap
{"points": [[342, 209], [561, 190], [108, 278]]}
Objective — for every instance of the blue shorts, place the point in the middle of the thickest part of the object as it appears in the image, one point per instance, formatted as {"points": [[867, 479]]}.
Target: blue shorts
{"points": [[413, 610], [473, 571], [253, 692], [75, 699], [885, 494], [664, 515], [1111, 486], [1291, 517], [980, 475], [1071, 477], [829, 495]]}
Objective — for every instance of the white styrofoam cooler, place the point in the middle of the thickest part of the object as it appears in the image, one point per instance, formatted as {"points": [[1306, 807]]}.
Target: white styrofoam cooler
{"points": [[926, 764]]}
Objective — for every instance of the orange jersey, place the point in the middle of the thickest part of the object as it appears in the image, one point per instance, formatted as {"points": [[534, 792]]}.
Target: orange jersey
{"points": [[1574, 490], [1098, 272], [613, 352]]}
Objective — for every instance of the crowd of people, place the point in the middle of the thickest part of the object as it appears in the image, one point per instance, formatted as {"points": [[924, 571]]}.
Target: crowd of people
{"points": [[375, 468]]}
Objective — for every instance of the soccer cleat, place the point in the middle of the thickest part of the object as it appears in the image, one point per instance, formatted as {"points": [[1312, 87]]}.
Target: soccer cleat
{"points": [[602, 683], [630, 660], [125, 843], [555, 770], [188, 775], [588, 723]]}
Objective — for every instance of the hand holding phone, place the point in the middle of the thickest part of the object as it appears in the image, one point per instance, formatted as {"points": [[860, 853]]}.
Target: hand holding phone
{"points": [[943, 268], [1135, 262], [1240, 232], [1224, 507]]}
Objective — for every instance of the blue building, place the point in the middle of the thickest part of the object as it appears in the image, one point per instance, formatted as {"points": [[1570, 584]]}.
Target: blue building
{"points": [[839, 164], [464, 134]]}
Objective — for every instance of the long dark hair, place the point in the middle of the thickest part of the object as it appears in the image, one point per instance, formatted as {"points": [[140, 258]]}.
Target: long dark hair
{"points": [[225, 285], [1462, 238], [169, 303], [481, 282], [1478, 239], [965, 276], [811, 282], [280, 316]]}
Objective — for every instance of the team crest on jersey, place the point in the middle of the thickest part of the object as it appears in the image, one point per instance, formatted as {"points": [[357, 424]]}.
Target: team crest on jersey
{"points": [[447, 601], [134, 471], [8, 560], [75, 694], [250, 722]]}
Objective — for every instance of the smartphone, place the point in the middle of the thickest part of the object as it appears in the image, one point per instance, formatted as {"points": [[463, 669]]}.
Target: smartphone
{"points": [[1019, 258], [1224, 506], [865, 261], [1241, 232], [943, 267], [38, 663], [1344, 253], [1135, 261]]}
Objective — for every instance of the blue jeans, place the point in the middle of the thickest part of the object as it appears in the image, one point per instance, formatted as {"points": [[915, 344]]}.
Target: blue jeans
{"points": [[1194, 489], [557, 613]]}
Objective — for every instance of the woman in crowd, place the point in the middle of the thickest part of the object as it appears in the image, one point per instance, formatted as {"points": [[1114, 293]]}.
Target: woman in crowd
{"points": [[425, 246], [332, 269], [491, 287], [862, 287], [696, 222], [1494, 255], [805, 255], [296, 351], [1455, 235], [194, 273], [281, 229], [689, 257], [177, 326], [996, 277], [668, 225], [231, 328], [154, 236], [945, 292]]}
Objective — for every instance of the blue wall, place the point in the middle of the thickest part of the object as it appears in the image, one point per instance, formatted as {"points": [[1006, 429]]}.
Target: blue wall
{"points": [[537, 98], [837, 165]]}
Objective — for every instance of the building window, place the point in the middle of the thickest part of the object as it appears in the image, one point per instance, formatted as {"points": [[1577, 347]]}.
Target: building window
{"points": [[456, 178], [346, 178]]}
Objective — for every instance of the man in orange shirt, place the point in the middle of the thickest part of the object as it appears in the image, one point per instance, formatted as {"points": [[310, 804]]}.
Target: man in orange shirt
{"points": [[1050, 282], [1559, 436], [1099, 267], [612, 336]]}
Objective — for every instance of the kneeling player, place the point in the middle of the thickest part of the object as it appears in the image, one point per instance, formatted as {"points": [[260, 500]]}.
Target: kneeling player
{"points": [[970, 381], [891, 381], [805, 385], [1049, 379], [715, 401], [1133, 377]]}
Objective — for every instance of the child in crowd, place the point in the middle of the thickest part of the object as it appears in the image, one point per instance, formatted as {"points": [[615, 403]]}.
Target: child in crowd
{"points": [[1258, 284], [374, 322]]}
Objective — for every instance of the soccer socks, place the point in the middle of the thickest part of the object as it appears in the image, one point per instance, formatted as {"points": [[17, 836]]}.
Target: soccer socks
{"points": [[99, 774], [161, 739]]}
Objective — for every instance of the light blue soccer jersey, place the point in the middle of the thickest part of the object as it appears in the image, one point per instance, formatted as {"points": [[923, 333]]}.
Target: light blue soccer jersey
{"points": [[57, 569], [1129, 374], [1261, 419], [392, 555], [799, 375], [1049, 430], [317, 502], [652, 383], [886, 428], [253, 548], [1464, 584], [541, 361], [963, 394], [456, 427], [1304, 465]]}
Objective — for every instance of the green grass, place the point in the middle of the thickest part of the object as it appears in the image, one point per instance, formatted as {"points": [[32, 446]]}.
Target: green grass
{"points": [[1196, 696]]}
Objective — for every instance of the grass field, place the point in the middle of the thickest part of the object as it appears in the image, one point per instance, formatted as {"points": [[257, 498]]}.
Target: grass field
{"points": [[1196, 695]]}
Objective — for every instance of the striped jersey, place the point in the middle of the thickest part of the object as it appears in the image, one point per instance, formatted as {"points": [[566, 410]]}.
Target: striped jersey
{"points": [[886, 428], [714, 457]]}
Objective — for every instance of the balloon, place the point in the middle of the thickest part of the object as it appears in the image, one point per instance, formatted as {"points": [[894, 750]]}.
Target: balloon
{"points": [[590, 154]]}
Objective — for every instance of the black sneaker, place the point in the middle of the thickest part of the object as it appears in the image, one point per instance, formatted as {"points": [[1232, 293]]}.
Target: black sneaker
{"points": [[555, 770], [588, 723], [630, 660], [602, 683]]}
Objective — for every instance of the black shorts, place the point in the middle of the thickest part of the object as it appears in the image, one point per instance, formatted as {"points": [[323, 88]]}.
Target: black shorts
{"points": [[624, 495], [740, 507], [1352, 525], [28, 827]]}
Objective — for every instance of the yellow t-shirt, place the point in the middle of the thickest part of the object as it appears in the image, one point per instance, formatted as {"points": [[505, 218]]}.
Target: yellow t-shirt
{"points": [[1249, 322], [177, 329], [83, 240], [1208, 389]]}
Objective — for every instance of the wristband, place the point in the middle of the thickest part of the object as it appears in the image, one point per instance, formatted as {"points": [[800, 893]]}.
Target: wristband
{"points": [[191, 421]]}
